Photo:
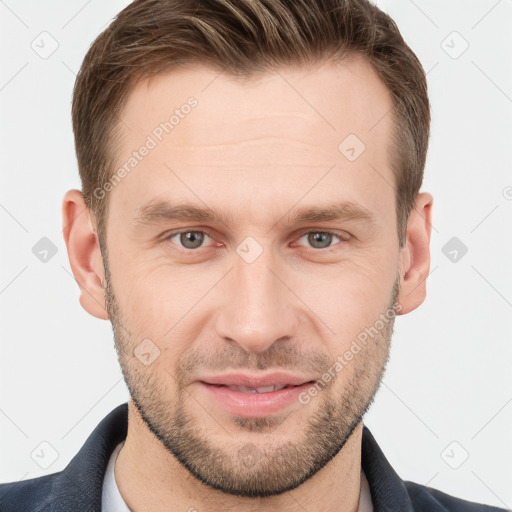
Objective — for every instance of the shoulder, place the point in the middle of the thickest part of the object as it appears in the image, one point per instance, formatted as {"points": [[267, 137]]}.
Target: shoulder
{"points": [[426, 499], [26, 495], [78, 486], [390, 492]]}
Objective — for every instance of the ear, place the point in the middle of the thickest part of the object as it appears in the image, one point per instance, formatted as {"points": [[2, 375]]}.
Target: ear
{"points": [[84, 253], [415, 256]]}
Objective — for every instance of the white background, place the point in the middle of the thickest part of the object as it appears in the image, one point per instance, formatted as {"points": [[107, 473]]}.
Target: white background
{"points": [[449, 377]]}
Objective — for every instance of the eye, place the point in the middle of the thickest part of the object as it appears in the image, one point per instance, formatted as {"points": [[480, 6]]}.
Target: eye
{"points": [[321, 239], [189, 239], [194, 239]]}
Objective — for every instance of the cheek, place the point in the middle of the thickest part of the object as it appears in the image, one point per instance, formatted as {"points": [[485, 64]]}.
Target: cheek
{"points": [[355, 290], [163, 302], [350, 304]]}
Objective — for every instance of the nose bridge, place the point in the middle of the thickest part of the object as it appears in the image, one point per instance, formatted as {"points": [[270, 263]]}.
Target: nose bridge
{"points": [[257, 310]]}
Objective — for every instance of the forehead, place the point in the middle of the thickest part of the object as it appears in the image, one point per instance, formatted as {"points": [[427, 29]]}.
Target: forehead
{"points": [[258, 138]]}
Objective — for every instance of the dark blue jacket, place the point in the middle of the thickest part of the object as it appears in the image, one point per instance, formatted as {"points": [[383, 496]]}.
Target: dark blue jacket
{"points": [[78, 487]]}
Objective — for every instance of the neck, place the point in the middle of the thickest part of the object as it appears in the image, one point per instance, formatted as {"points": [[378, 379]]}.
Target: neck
{"points": [[151, 479]]}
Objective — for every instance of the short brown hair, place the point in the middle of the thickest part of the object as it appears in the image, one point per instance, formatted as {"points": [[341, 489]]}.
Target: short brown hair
{"points": [[244, 38]]}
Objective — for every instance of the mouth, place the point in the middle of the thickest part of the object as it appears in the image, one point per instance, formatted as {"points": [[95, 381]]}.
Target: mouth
{"points": [[258, 381], [263, 389], [248, 396]]}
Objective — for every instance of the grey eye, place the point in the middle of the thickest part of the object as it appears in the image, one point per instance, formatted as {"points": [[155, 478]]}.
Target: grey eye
{"points": [[320, 239], [190, 239]]}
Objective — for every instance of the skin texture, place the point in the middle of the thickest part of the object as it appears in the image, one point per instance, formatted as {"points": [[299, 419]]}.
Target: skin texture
{"points": [[256, 151]]}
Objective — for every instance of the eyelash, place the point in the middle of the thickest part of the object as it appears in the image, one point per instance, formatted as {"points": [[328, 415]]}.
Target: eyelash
{"points": [[209, 234]]}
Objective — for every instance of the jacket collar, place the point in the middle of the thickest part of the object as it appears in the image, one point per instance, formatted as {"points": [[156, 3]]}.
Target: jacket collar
{"points": [[79, 485], [389, 493]]}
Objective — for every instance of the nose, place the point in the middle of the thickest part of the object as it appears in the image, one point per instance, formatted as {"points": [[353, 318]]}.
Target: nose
{"points": [[257, 308]]}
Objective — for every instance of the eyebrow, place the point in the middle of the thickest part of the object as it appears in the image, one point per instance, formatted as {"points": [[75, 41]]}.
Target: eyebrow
{"points": [[162, 211]]}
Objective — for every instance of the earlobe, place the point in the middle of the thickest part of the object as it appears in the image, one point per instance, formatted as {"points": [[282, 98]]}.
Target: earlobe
{"points": [[84, 253], [415, 256]]}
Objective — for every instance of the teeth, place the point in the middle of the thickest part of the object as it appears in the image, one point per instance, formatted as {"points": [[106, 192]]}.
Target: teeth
{"points": [[267, 389]]}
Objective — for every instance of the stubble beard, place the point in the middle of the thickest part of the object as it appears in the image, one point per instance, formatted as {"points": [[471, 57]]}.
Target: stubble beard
{"points": [[252, 469]]}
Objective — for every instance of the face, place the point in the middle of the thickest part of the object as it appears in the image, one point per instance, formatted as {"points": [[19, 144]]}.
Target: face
{"points": [[291, 266]]}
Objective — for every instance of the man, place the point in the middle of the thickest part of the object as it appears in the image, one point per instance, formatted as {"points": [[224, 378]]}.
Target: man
{"points": [[251, 222]]}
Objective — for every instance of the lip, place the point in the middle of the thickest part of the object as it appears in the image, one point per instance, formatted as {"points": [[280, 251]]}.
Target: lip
{"points": [[255, 405], [257, 381]]}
